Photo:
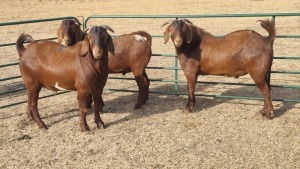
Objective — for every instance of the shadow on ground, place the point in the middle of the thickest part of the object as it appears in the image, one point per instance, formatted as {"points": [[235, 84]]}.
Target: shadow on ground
{"points": [[159, 103]]}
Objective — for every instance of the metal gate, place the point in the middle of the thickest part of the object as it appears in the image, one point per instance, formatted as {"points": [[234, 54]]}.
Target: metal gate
{"points": [[174, 70]]}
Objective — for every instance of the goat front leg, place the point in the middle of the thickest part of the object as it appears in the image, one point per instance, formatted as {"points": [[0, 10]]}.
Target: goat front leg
{"points": [[191, 83], [82, 97], [98, 105], [29, 112]]}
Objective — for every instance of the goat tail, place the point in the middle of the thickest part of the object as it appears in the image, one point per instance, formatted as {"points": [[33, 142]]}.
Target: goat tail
{"points": [[269, 26], [20, 43]]}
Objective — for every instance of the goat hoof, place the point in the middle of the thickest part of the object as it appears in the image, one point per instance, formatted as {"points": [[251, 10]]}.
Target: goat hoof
{"points": [[137, 106], [262, 112], [99, 125], [42, 126], [267, 114], [187, 110], [30, 118], [85, 128]]}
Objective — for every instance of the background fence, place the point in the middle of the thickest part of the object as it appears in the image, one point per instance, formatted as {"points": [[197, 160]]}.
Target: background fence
{"points": [[173, 70]]}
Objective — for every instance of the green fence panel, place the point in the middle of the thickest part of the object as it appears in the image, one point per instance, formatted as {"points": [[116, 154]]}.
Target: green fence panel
{"points": [[175, 68]]}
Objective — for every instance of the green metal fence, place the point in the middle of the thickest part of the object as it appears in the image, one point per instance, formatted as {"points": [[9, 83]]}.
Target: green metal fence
{"points": [[175, 68]]}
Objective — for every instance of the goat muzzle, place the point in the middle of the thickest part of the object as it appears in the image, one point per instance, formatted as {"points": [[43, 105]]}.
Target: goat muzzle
{"points": [[178, 42], [97, 53]]}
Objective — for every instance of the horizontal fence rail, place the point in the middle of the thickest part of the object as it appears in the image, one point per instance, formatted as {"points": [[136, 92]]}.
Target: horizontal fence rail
{"points": [[175, 68]]}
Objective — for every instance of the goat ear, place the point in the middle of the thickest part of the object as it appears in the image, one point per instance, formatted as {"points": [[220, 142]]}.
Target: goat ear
{"points": [[188, 34], [85, 46], [167, 35], [59, 35], [110, 45]]}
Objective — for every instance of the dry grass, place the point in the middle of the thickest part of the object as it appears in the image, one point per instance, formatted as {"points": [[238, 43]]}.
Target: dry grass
{"points": [[220, 133]]}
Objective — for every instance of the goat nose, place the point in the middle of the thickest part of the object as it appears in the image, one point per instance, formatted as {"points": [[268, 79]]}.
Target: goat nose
{"points": [[178, 42]]}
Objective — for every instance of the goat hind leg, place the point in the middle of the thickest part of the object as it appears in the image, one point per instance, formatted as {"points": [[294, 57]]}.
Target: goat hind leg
{"points": [[139, 82], [147, 84], [33, 113], [268, 110]]}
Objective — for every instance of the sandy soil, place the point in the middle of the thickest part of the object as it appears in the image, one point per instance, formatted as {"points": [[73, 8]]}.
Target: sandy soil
{"points": [[220, 133]]}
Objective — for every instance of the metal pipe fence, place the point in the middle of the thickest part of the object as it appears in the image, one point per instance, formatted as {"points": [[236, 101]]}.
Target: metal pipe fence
{"points": [[176, 81], [176, 68]]}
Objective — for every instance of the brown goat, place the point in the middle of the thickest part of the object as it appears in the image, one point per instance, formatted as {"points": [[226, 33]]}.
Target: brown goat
{"points": [[69, 32], [132, 54], [237, 54], [81, 68]]}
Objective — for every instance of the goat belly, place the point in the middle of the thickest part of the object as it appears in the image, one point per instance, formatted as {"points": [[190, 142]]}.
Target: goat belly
{"points": [[59, 86]]}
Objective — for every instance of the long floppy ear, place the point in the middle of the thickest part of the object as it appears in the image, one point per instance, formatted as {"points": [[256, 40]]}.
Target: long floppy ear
{"points": [[59, 34], [110, 45], [188, 34], [167, 34], [85, 46]]}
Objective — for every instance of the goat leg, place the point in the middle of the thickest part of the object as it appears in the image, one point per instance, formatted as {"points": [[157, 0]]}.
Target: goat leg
{"points": [[140, 84], [191, 102], [268, 110], [191, 78], [33, 95], [83, 124], [29, 113], [89, 101], [82, 97], [98, 105], [147, 82]]}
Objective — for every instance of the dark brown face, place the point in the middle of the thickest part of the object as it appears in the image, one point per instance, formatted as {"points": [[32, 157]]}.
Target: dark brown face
{"points": [[179, 31], [99, 41], [70, 28]]}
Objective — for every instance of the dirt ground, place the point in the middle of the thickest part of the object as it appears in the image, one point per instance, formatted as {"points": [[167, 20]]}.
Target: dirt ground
{"points": [[220, 133]]}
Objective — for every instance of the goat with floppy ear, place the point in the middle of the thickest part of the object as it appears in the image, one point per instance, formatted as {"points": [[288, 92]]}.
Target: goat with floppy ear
{"points": [[133, 53], [106, 39], [69, 32], [237, 54], [186, 31], [82, 68]]}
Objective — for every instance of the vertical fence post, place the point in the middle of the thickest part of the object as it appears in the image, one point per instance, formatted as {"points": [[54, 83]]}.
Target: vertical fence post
{"points": [[176, 75]]}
